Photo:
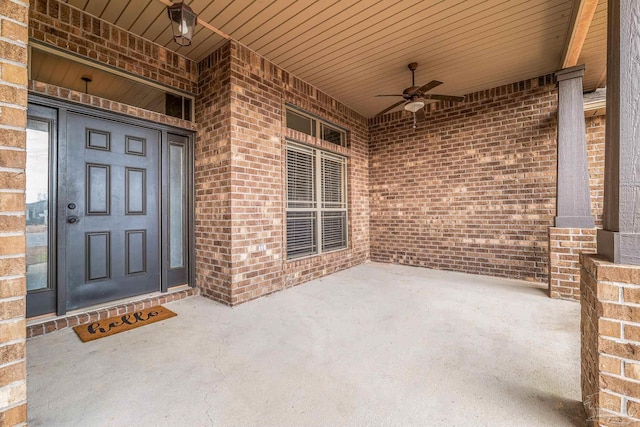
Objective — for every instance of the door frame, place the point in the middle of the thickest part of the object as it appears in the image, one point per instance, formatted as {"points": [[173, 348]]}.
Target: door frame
{"points": [[59, 192]]}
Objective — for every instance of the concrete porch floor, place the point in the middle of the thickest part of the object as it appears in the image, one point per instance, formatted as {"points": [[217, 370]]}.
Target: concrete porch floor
{"points": [[377, 344]]}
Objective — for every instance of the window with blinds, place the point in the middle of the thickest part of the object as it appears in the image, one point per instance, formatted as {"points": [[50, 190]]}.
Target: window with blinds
{"points": [[316, 201]]}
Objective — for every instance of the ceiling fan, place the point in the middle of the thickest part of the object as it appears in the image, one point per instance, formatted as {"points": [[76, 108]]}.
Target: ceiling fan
{"points": [[412, 97]]}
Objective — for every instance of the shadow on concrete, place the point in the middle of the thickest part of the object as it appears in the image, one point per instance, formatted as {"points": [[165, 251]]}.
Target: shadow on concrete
{"points": [[572, 410]]}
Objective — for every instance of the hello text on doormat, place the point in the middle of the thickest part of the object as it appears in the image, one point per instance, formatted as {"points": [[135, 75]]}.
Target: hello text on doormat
{"points": [[114, 325]]}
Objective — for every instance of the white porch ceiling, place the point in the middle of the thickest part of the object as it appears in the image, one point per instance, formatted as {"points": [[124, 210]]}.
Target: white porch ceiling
{"points": [[353, 50]]}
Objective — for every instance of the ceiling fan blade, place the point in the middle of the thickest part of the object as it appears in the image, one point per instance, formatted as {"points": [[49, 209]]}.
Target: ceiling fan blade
{"points": [[429, 86], [391, 95], [445, 97], [420, 114], [390, 108]]}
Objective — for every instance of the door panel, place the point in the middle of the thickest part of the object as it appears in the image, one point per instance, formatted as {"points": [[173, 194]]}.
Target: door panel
{"points": [[111, 231]]}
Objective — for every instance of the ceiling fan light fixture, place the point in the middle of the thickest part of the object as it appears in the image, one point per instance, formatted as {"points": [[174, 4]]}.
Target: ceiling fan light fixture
{"points": [[413, 106], [183, 21]]}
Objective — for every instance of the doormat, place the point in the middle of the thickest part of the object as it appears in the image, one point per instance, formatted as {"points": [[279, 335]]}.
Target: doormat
{"points": [[114, 325]]}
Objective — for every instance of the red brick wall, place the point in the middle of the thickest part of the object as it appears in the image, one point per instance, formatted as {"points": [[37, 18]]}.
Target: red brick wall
{"points": [[255, 215], [472, 188], [595, 127], [61, 25], [213, 177], [13, 121]]}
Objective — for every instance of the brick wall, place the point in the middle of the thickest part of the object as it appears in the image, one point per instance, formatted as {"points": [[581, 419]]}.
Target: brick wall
{"points": [[610, 349], [61, 25], [473, 187], [213, 177], [595, 127], [13, 121], [250, 161]]}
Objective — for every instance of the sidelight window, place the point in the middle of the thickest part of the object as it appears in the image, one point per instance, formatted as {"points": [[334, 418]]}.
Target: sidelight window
{"points": [[316, 201]]}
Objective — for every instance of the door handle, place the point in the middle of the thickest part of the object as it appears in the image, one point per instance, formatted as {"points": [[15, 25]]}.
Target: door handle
{"points": [[73, 219]]}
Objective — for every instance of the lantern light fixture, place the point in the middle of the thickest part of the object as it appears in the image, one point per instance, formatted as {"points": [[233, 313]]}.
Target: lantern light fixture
{"points": [[183, 21]]}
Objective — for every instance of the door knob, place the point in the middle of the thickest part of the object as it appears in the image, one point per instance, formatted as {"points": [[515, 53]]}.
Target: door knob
{"points": [[73, 219]]}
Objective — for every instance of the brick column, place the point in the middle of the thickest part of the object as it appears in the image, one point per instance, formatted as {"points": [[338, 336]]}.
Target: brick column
{"points": [[565, 247], [610, 341], [13, 121]]}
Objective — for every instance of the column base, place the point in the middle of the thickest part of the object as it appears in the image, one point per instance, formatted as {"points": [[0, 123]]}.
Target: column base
{"points": [[574, 222], [565, 247], [620, 248]]}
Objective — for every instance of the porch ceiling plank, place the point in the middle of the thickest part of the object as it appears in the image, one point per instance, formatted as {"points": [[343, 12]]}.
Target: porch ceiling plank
{"points": [[286, 10], [584, 11], [337, 24], [258, 22], [288, 29], [447, 54], [159, 31], [80, 4], [246, 21], [51, 68], [114, 9], [486, 64], [594, 50], [438, 41], [382, 24], [326, 26], [44, 71], [224, 18], [66, 73], [478, 52], [95, 8], [134, 11], [155, 13]]}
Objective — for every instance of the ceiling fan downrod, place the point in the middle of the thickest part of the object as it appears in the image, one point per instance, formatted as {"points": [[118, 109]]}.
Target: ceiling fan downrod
{"points": [[413, 66]]}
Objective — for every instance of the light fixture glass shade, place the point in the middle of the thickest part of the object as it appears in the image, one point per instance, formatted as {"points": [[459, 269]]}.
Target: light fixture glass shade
{"points": [[413, 106], [183, 21]]}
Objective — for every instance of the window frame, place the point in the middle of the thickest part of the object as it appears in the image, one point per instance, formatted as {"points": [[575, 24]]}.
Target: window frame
{"points": [[317, 125], [318, 204]]}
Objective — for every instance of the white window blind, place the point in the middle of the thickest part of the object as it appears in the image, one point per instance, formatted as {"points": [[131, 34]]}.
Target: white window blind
{"points": [[315, 175], [301, 170]]}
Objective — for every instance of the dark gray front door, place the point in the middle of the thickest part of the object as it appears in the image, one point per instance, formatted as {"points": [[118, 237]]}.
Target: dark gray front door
{"points": [[111, 210]]}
